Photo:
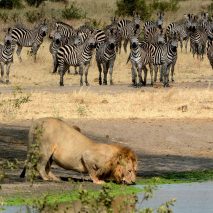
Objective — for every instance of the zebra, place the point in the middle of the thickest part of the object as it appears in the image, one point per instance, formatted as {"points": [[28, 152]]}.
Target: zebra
{"points": [[65, 29], [58, 41], [70, 55], [166, 56], [113, 29], [152, 35], [198, 38], [105, 56], [181, 29], [129, 28], [6, 55], [155, 24], [29, 38], [139, 57]]}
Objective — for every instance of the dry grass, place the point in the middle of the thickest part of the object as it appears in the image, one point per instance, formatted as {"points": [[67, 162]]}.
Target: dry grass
{"points": [[158, 103]]}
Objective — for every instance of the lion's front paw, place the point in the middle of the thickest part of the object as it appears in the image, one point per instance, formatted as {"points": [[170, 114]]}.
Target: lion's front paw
{"points": [[98, 182]]}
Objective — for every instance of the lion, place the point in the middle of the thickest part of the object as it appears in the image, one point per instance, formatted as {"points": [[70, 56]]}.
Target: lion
{"points": [[70, 149]]}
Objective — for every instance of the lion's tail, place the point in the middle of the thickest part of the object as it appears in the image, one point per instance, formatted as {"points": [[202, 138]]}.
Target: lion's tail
{"points": [[22, 175]]}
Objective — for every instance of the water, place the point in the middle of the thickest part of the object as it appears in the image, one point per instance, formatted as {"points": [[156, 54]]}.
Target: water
{"points": [[190, 198]]}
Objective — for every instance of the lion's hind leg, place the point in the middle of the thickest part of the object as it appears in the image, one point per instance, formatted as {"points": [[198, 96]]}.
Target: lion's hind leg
{"points": [[49, 173], [43, 167]]}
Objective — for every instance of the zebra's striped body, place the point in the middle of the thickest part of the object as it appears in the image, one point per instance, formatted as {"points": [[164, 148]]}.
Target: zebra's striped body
{"points": [[70, 55], [105, 56], [6, 56], [128, 28], [65, 30], [29, 38], [166, 56], [140, 56]]}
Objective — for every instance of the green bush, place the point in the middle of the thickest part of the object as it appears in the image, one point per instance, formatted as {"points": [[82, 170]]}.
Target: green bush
{"points": [[171, 5], [4, 16], [10, 4], [126, 8], [73, 12], [35, 3], [33, 16]]}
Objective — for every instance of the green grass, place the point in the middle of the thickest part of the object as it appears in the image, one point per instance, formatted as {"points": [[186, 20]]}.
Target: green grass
{"points": [[179, 177]]}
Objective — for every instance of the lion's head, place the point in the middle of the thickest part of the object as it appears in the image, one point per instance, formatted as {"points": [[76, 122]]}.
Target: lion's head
{"points": [[124, 166]]}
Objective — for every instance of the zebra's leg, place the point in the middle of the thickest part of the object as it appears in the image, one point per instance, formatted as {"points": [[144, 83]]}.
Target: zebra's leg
{"points": [[165, 70], [125, 45], [18, 52], [100, 71], [172, 72], [134, 75], [2, 72], [86, 74], [151, 73], [186, 44], [161, 73], [7, 72], [105, 69], [181, 44], [111, 71], [140, 80], [55, 63], [81, 74], [61, 72], [145, 76], [76, 72], [156, 73], [34, 51]]}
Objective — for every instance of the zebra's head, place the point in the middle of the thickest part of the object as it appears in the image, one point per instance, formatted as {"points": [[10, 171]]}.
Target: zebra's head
{"points": [[8, 38], [161, 37], [43, 29], [111, 42], [134, 42], [174, 42], [160, 20], [136, 20], [91, 40], [57, 38]]}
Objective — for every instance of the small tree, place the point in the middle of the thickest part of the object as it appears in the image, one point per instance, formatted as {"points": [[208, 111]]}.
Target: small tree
{"points": [[10, 4], [126, 7], [35, 3]]}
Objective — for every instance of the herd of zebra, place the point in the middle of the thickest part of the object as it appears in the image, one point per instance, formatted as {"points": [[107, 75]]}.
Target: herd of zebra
{"points": [[151, 44]]}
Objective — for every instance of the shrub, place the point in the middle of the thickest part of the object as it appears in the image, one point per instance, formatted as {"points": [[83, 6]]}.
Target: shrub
{"points": [[33, 16], [35, 3], [171, 5], [126, 7], [73, 12], [10, 4], [4, 16]]}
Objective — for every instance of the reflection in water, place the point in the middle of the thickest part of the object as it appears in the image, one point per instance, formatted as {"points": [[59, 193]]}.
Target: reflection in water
{"points": [[125, 204]]}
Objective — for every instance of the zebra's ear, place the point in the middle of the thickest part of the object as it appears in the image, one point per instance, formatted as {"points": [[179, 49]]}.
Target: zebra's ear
{"points": [[9, 30], [134, 13]]}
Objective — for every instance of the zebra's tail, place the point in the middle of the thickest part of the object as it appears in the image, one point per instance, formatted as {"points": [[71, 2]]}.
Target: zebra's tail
{"points": [[22, 175], [128, 59]]}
